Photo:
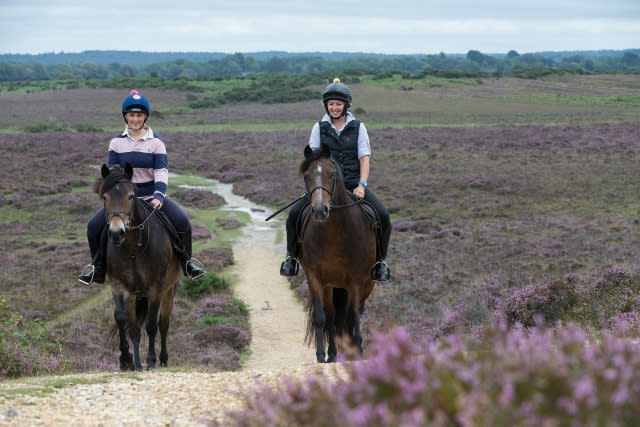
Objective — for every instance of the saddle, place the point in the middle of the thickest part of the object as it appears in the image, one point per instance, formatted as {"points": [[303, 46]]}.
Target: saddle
{"points": [[367, 209]]}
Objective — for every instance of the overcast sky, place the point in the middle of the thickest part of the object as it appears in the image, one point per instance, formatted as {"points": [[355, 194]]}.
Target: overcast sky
{"points": [[376, 26]]}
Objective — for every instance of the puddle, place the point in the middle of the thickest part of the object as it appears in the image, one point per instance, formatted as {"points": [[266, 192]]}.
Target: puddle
{"points": [[233, 202]]}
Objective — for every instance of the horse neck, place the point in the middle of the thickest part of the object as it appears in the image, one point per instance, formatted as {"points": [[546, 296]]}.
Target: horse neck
{"points": [[139, 212], [138, 215], [341, 195]]}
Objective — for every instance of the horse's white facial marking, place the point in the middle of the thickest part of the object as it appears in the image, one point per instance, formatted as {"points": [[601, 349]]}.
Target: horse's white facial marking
{"points": [[318, 181]]}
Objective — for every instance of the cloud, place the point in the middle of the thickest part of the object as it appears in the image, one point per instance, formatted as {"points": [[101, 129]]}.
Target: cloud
{"points": [[34, 26]]}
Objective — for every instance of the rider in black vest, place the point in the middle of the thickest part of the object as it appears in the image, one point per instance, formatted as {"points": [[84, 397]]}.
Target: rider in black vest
{"points": [[350, 148]]}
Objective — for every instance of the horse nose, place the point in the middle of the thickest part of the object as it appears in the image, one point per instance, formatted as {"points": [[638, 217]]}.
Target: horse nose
{"points": [[117, 234], [321, 213]]}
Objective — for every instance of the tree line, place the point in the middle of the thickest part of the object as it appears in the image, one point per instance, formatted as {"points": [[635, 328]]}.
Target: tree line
{"points": [[201, 66]]}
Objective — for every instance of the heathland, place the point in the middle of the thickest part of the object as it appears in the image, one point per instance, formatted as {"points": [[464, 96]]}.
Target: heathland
{"points": [[509, 196]]}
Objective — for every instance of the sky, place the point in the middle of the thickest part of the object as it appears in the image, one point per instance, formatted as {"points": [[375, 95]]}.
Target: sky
{"points": [[372, 26]]}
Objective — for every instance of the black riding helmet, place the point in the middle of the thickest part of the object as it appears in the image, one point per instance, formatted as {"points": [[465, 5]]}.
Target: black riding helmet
{"points": [[339, 91]]}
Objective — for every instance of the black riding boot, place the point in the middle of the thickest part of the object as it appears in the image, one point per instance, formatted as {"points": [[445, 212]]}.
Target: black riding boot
{"points": [[189, 265], [95, 272], [289, 266], [381, 271]]}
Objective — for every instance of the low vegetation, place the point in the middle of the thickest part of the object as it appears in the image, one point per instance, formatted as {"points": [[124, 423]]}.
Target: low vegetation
{"points": [[514, 256]]}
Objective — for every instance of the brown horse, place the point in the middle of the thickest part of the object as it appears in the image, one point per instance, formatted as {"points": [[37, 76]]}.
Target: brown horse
{"points": [[337, 252], [142, 265]]}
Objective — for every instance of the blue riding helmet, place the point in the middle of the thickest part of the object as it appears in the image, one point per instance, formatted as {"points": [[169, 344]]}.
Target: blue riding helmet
{"points": [[135, 102]]}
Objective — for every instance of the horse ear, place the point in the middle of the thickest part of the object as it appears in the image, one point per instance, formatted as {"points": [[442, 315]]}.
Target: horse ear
{"points": [[325, 150], [307, 152], [128, 171], [105, 170]]}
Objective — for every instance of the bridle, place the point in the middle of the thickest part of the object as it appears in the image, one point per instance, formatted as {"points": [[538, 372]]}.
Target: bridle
{"points": [[127, 224], [331, 192]]}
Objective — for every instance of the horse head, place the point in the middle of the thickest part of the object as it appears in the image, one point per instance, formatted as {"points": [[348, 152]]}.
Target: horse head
{"points": [[118, 194], [321, 179]]}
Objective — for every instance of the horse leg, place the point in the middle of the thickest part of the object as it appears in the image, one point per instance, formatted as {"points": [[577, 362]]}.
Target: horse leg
{"points": [[330, 328], [134, 330], [151, 326], [166, 307], [319, 321], [357, 335], [134, 334], [121, 317], [332, 350]]}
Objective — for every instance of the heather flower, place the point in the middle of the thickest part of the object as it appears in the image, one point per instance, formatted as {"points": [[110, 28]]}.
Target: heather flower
{"points": [[526, 377]]}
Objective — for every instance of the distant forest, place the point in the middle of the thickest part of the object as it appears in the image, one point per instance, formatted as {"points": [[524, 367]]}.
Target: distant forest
{"points": [[104, 65]]}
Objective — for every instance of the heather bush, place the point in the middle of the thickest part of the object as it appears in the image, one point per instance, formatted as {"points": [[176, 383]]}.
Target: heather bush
{"points": [[211, 280], [26, 348], [526, 377], [614, 293], [550, 299]]}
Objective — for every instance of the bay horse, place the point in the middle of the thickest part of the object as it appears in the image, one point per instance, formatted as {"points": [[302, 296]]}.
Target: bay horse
{"points": [[337, 252], [142, 265]]}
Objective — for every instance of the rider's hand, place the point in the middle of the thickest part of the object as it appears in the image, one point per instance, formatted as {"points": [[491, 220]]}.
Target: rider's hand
{"points": [[359, 192], [157, 204]]}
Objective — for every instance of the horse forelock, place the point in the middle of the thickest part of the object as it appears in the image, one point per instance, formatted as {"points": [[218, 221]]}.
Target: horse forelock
{"points": [[316, 154], [115, 176]]}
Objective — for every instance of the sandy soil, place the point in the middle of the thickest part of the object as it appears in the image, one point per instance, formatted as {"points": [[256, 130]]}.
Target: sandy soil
{"points": [[165, 398]]}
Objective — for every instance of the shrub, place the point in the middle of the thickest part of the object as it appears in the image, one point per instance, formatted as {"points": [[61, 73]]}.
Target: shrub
{"points": [[550, 300], [508, 377], [209, 281], [26, 348]]}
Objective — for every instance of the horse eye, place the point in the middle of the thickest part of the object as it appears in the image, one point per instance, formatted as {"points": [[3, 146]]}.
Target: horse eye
{"points": [[131, 196]]}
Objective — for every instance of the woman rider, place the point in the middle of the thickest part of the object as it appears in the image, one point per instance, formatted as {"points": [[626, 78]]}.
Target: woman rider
{"points": [[350, 148], [143, 149]]}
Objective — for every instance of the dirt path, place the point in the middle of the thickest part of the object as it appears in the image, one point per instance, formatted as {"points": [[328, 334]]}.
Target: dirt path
{"points": [[277, 318], [160, 398]]}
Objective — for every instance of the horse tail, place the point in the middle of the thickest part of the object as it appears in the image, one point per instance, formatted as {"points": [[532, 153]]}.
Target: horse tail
{"points": [[310, 332], [113, 332], [328, 314]]}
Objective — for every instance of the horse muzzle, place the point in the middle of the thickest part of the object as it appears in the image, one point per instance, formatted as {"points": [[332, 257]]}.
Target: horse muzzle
{"points": [[320, 212], [117, 233]]}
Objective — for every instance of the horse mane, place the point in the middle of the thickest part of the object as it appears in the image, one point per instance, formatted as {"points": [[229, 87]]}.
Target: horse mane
{"points": [[102, 185]]}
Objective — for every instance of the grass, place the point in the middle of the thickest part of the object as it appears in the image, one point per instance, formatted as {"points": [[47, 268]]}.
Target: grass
{"points": [[479, 210], [43, 385]]}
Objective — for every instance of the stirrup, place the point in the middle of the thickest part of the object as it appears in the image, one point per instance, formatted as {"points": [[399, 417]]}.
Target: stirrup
{"points": [[87, 275], [197, 264]]}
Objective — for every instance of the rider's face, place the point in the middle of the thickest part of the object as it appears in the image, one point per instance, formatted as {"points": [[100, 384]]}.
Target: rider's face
{"points": [[135, 120], [335, 108]]}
